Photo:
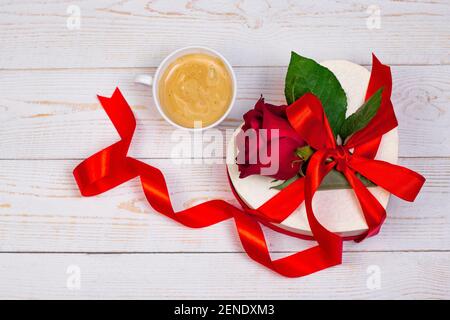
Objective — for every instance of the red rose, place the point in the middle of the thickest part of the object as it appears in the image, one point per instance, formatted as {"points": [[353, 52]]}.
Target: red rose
{"points": [[267, 143]]}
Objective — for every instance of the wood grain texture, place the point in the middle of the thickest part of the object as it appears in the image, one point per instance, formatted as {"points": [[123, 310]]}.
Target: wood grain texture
{"points": [[55, 114], [136, 33], [50, 119], [226, 276], [41, 210]]}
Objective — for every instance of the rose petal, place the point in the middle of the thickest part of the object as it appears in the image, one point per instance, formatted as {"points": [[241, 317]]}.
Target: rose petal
{"points": [[268, 116]]}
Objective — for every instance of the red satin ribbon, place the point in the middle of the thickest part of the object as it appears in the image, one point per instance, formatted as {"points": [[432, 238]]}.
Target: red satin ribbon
{"points": [[112, 167]]}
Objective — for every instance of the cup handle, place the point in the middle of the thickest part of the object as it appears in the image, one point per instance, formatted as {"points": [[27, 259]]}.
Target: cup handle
{"points": [[144, 79]]}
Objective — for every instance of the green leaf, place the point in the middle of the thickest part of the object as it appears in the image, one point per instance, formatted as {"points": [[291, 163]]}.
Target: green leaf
{"points": [[304, 152], [336, 180], [305, 75], [362, 116], [332, 181], [287, 182]]}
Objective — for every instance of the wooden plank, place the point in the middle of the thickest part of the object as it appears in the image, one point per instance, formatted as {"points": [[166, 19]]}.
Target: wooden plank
{"points": [[49, 76], [368, 275], [140, 33], [42, 210], [55, 114]]}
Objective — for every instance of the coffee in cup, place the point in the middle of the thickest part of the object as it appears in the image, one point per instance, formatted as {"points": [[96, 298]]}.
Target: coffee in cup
{"points": [[193, 88]]}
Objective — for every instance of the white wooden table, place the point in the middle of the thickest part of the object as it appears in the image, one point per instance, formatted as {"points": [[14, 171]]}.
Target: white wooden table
{"points": [[115, 244]]}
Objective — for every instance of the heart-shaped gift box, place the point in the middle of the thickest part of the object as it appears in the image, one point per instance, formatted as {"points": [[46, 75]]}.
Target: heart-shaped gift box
{"points": [[338, 210]]}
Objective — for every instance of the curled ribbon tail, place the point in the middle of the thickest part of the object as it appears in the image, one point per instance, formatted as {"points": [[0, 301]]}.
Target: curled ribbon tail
{"points": [[109, 167], [367, 140], [317, 170], [120, 114], [373, 211], [104, 170], [400, 181]]}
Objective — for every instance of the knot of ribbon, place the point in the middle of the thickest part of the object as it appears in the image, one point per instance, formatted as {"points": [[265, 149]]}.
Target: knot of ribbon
{"points": [[112, 166], [341, 156]]}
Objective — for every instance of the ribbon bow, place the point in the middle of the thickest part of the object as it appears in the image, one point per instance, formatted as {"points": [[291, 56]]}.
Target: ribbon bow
{"points": [[111, 167]]}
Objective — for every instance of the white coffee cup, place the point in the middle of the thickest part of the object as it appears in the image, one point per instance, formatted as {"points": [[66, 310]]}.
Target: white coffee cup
{"points": [[153, 81]]}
